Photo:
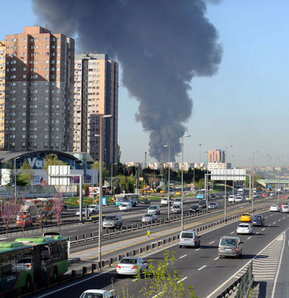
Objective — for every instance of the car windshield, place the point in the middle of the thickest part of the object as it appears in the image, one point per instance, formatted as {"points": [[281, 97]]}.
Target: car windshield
{"points": [[194, 207], [227, 241], [243, 226], [128, 261], [91, 295], [153, 207], [245, 214], [148, 215], [274, 206], [257, 217], [109, 218], [187, 235]]}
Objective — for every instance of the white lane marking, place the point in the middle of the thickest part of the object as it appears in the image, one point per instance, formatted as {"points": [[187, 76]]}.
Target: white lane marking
{"points": [[216, 258], [73, 231], [269, 225], [182, 279], [257, 233], [182, 257], [278, 270], [249, 237], [157, 295], [274, 223], [232, 232], [212, 242], [202, 267], [263, 229], [279, 219], [197, 249]]}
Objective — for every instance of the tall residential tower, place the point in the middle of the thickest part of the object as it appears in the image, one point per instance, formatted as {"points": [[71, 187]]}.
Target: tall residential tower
{"points": [[95, 94], [39, 91]]}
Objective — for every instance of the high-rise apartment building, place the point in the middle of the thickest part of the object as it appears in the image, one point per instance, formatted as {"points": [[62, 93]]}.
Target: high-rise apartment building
{"points": [[216, 156], [39, 91], [2, 91], [95, 94]]}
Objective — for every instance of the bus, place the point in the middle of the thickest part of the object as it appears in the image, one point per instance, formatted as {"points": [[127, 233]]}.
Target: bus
{"points": [[26, 261], [133, 198]]}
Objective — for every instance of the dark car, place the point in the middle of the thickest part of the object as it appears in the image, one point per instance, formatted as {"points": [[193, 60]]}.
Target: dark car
{"points": [[258, 220], [202, 204], [145, 201], [194, 209]]}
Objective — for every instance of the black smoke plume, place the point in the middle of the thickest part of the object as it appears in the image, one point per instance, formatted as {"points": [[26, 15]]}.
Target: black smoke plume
{"points": [[160, 44]]}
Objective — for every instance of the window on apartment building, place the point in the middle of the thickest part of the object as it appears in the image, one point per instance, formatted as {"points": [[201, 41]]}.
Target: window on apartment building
{"points": [[25, 47], [36, 61]]}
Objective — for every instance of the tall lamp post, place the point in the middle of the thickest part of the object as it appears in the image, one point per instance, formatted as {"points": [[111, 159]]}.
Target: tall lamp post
{"points": [[169, 178], [182, 216], [253, 176], [100, 186]]}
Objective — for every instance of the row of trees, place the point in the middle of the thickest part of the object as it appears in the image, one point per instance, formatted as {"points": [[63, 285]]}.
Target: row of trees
{"points": [[10, 208]]}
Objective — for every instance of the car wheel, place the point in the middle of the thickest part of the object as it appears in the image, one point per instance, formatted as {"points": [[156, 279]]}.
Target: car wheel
{"points": [[28, 284], [180, 246]]}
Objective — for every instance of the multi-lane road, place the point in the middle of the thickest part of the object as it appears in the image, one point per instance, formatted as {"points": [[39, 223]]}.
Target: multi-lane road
{"points": [[201, 268]]}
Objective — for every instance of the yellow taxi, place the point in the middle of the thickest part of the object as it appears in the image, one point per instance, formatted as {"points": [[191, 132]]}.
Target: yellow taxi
{"points": [[246, 217], [162, 191], [178, 193]]}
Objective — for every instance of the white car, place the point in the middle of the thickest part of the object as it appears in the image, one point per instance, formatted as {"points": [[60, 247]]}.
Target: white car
{"points": [[149, 218], [248, 198], [176, 208], [97, 293], [131, 266], [231, 198], [93, 208], [164, 201], [285, 209], [244, 228], [275, 208], [154, 209], [238, 199], [126, 206]]}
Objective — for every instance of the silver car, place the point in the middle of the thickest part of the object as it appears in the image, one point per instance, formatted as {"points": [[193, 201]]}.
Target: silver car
{"points": [[131, 266], [230, 246], [149, 218], [112, 221]]}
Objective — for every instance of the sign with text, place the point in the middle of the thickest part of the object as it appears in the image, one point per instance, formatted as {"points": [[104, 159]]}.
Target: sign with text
{"points": [[228, 174]]}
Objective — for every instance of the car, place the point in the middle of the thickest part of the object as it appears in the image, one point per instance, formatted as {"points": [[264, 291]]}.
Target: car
{"points": [[189, 238], [231, 198], [131, 266], [145, 201], [248, 198], [213, 205], [275, 208], [95, 293], [112, 221], [149, 218], [87, 211], [178, 200], [164, 202], [176, 208], [202, 204], [93, 208], [24, 219], [285, 208], [245, 217], [22, 265], [230, 246], [244, 228], [194, 209], [154, 209], [264, 195], [126, 206], [238, 199], [162, 191], [258, 220]]}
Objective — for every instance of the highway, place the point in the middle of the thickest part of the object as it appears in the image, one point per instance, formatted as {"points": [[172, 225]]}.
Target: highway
{"points": [[199, 267]]}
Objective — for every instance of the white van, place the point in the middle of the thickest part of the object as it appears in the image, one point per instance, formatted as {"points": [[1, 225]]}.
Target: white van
{"points": [[189, 238]]}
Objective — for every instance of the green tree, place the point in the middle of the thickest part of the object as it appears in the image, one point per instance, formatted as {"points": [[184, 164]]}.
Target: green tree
{"points": [[52, 160], [127, 183], [105, 171], [166, 281], [26, 174]]}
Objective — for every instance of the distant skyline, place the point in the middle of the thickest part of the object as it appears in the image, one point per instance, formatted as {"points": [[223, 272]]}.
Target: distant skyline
{"points": [[244, 105]]}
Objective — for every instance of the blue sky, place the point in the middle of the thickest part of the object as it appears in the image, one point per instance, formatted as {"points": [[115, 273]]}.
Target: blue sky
{"points": [[245, 104]]}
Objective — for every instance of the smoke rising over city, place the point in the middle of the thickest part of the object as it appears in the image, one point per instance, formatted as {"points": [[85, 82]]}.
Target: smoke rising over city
{"points": [[160, 44]]}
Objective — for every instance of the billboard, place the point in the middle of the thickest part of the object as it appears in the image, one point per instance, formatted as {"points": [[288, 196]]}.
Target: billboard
{"points": [[228, 174]]}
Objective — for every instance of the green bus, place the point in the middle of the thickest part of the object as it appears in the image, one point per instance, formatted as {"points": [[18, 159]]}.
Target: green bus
{"points": [[26, 261]]}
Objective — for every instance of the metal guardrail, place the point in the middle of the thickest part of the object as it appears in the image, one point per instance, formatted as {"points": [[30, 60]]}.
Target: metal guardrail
{"points": [[242, 286]]}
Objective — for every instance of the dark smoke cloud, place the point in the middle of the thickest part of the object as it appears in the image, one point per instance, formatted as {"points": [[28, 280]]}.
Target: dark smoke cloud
{"points": [[160, 44]]}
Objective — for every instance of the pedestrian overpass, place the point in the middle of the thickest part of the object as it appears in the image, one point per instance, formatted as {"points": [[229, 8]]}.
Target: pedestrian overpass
{"points": [[280, 183]]}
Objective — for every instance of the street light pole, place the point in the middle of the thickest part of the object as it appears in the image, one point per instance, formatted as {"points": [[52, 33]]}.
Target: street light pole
{"points": [[253, 176], [200, 157], [169, 177], [100, 187], [182, 216], [15, 180]]}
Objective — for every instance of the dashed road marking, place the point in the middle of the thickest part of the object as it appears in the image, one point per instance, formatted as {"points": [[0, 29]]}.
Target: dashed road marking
{"points": [[232, 232], [263, 229], [216, 258], [202, 267], [183, 279], [182, 257], [249, 237], [197, 249], [212, 242]]}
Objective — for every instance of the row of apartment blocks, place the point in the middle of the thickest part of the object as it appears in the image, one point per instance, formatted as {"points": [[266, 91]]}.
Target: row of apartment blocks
{"points": [[175, 166], [52, 99]]}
